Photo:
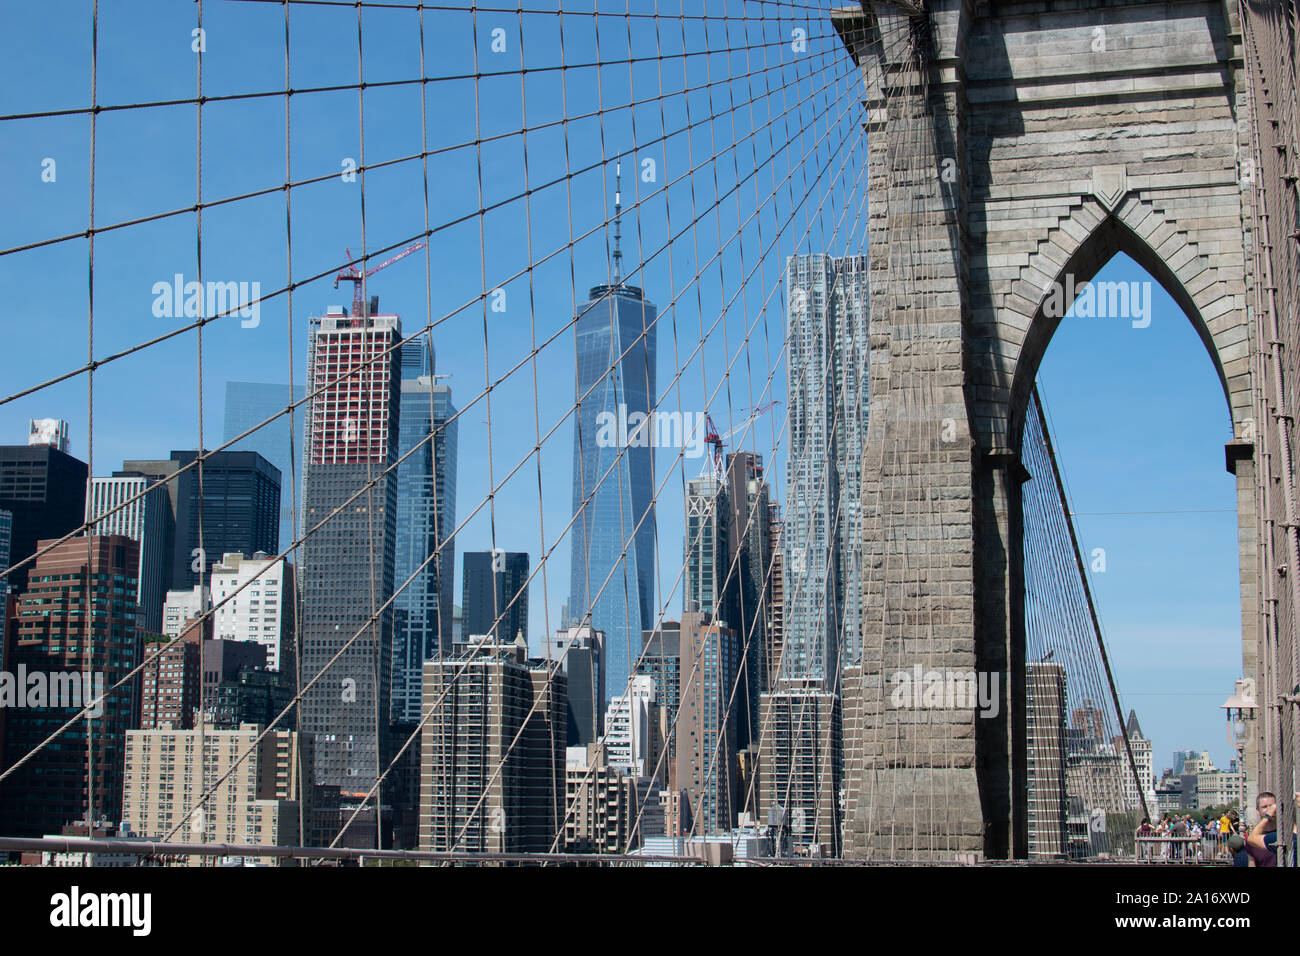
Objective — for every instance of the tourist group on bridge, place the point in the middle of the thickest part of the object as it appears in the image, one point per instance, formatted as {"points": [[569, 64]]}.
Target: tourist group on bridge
{"points": [[1203, 837]]}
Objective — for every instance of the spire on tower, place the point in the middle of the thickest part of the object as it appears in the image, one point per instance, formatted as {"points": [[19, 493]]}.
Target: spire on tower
{"points": [[618, 223]]}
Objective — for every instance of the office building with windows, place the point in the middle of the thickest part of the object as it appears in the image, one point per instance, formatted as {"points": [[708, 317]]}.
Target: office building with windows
{"points": [[182, 607], [706, 750], [171, 681], [49, 431], [606, 808], [256, 806], [728, 559], [347, 575], [579, 652], [632, 737], [416, 634], [252, 696], [239, 509], [44, 489], [661, 661], [54, 637], [139, 509], [492, 758], [253, 597], [775, 617], [446, 429], [495, 596], [1045, 700], [6, 538], [801, 768]]}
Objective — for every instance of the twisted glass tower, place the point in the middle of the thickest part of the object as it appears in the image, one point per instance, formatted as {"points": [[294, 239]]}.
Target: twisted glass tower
{"points": [[826, 308]]}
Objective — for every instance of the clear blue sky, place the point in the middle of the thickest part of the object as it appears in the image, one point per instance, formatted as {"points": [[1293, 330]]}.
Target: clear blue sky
{"points": [[1140, 419], [147, 403]]}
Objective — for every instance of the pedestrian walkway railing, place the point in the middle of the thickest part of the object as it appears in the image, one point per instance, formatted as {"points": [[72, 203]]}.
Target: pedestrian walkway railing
{"points": [[1167, 848]]}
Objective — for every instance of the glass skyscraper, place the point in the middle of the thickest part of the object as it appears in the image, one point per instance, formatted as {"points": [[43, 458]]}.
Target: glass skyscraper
{"points": [[238, 508], [707, 587], [447, 426], [826, 310], [248, 404], [44, 490], [494, 596], [612, 573], [146, 521], [423, 517], [6, 535]]}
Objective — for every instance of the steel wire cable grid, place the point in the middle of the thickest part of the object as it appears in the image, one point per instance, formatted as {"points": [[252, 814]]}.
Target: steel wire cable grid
{"points": [[726, 125], [801, 143]]}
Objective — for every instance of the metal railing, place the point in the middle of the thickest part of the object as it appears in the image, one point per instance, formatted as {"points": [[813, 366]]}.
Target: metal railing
{"points": [[171, 852], [1209, 847]]}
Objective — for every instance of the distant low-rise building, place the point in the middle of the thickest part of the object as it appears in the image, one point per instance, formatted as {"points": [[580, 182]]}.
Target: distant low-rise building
{"points": [[254, 597], [801, 768], [1169, 793], [1097, 778], [170, 681], [606, 809], [105, 857], [632, 740], [1215, 788], [257, 804], [52, 788]]}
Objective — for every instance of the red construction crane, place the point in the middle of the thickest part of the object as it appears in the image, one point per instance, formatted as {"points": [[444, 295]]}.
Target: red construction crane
{"points": [[712, 437], [357, 277]]}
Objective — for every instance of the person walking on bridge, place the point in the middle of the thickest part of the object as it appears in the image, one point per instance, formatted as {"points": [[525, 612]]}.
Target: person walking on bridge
{"points": [[1261, 843]]}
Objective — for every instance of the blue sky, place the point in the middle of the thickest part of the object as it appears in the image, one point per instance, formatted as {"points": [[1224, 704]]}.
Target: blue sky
{"points": [[1139, 420], [714, 207], [1139, 417]]}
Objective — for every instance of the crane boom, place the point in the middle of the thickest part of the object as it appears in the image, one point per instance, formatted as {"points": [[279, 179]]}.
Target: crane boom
{"points": [[357, 277], [716, 440], [752, 417]]}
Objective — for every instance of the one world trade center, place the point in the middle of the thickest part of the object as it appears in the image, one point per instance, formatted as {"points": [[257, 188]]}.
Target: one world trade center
{"points": [[612, 574]]}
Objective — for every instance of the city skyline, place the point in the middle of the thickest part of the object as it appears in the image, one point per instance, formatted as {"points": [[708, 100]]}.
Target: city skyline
{"points": [[884, 494], [1168, 330], [1178, 335]]}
